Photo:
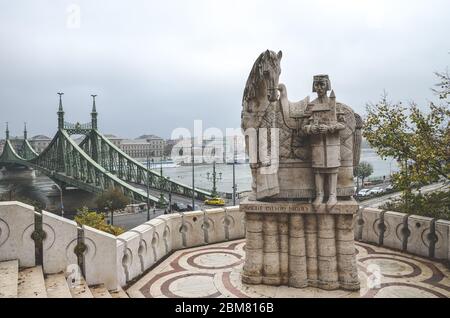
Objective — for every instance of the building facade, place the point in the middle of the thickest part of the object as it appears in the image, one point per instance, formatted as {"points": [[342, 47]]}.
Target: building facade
{"points": [[141, 147], [39, 142]]}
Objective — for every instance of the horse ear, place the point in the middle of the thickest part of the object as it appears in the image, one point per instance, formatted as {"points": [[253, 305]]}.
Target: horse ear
{"points": [[279, 55]]}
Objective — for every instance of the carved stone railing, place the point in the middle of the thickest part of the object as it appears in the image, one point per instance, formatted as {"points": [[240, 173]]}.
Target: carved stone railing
{"points": [[55, 243], [140, 248], [413, 234], [43, 238]]}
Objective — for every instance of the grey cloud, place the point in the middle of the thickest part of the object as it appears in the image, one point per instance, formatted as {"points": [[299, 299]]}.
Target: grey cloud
{"points": [[160, 65]]}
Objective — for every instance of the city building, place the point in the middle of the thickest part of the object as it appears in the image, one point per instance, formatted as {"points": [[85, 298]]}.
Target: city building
{"points": [[114, 139], [141, 147], [39, 142], [220, 150], [157, 144]]}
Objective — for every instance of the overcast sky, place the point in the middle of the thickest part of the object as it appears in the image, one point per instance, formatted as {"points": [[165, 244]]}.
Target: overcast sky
{"points": [[158, 65]]}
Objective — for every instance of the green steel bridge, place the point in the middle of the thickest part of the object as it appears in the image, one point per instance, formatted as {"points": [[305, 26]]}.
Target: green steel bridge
{"points": [[94, 165]]}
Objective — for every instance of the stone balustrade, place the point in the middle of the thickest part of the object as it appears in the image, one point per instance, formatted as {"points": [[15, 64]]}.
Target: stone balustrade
{"points": [[55, 242], [143, 246], [413, 234], [104, 258]]}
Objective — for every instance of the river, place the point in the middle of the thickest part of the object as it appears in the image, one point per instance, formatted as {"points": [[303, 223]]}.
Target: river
{"points": [[32, 185]]}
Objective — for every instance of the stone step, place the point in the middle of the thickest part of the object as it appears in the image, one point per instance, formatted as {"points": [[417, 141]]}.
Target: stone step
{"points": [[118, 293], [31, 283], [57, 287], [9, 275], [100, 291], [80, 290]]}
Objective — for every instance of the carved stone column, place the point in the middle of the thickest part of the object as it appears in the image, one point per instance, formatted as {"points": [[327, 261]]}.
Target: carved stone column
{"points": [[346, 255], [271, 251], [283, 231], [290, 243], [297, 252], [326, 252], [311, 249], [253, 249]]}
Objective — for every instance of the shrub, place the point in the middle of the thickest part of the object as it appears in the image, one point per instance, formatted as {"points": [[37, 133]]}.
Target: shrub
{"points": [[434, 205], [113, 199], [97, 221]]}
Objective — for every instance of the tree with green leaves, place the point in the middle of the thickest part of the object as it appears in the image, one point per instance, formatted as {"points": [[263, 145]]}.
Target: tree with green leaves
{"points": [[113, 199], [362, 171], [97, 221], [418, 139]]}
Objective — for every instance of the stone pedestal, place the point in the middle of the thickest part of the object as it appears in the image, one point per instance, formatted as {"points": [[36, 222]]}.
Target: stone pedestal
{"points": [[290, 243]]}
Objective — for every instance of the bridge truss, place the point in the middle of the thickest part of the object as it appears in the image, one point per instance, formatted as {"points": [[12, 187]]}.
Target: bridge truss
{"points": [[94, 165]]}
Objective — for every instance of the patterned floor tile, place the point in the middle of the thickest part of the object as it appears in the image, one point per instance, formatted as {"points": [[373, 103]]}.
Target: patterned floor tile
{"points": [[215, 271]]}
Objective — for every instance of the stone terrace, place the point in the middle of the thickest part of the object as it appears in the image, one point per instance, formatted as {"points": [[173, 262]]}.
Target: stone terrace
{"points": [[215, 271]]}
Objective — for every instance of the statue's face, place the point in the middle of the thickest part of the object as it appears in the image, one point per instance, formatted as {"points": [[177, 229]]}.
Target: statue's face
{"points": [[320, 87]]}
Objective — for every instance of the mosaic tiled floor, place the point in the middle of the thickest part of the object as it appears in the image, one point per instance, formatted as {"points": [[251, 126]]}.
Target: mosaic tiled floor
{"points": [[214, 271]]}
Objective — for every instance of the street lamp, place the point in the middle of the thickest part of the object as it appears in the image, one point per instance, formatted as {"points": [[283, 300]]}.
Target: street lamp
{"points": [[214, 179], [148, 188], [111, 218], [234, 172], [170, 195], [390, 168], [56, 186], [193, 176], [109, 207]]}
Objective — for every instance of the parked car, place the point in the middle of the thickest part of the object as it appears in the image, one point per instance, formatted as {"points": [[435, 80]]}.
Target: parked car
{"points": [[375, 190], [180, 207], [215, 201], [390, 187], [363, 192]]}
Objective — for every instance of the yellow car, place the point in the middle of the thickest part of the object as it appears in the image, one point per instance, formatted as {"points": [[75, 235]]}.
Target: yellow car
{"points": [[215, 201]]}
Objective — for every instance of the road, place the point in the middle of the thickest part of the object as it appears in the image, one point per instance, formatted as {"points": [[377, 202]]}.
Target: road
{"points": [[378, 201], [128, 221]]}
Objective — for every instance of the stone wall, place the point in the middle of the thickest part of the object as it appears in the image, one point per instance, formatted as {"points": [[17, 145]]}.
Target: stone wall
{"points": [[43, 238], [141, 247], [413, 234], [104, 258], [116, 261]]}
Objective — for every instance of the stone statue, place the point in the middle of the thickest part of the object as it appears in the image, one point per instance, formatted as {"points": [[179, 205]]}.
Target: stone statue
{"points": [[259, 115], [323, 123], [292, 237]]}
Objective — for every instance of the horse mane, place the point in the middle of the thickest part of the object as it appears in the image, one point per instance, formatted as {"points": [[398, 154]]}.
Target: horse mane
{"points": [[254, 77]]}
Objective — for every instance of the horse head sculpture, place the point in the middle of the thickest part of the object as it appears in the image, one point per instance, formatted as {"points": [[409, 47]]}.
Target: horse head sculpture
{"points": [[262, 83]]}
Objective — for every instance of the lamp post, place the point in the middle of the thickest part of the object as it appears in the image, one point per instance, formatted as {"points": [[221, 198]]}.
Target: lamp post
{"points": [[56, 186], [214, 179], [234, 172], [160, 169], [170, 196], [193, 176], [111, 221], [148, 189], [390, 168]]}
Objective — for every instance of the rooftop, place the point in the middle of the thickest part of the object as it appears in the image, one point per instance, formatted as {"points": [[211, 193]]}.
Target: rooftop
{"points": [[148, 137], [40, 137]]}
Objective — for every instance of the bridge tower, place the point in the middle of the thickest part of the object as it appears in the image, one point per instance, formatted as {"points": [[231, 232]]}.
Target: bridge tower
{"points": [[7, 131], [60, 113], [94, 137], [94, 113], [25, 134], [60, 146]]}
